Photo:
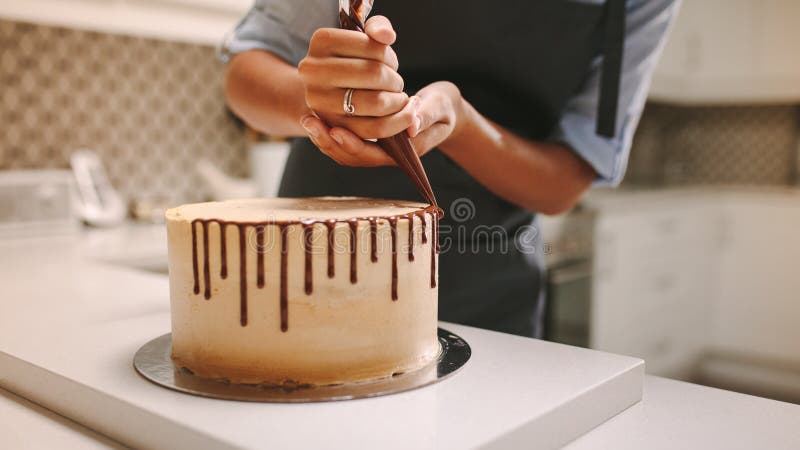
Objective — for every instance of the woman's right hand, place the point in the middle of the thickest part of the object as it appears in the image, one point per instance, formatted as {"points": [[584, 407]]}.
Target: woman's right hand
{"points": [[340, 59]]}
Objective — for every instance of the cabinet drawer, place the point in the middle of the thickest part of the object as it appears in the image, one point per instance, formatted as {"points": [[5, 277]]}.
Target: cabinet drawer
{"points": [[655, 234], [654, 309]]}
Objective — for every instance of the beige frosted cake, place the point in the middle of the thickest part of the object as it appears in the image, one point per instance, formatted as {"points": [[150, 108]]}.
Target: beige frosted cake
{"points": [[303, 291]]}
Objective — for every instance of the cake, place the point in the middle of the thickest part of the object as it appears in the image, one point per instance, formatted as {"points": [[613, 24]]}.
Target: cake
{"points": [[308, 291]]}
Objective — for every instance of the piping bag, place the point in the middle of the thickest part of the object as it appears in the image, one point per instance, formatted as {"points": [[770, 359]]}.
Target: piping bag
{"points": [[352, 16]]}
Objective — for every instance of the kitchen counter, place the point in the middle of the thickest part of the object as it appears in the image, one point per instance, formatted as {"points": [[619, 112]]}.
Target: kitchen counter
{"points": [[28, 426], [672, 413]]}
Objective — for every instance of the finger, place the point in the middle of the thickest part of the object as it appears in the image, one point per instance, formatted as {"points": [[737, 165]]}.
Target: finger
{"points": [[350, 73], [420, 108], [380, 29], [366, 103], [431, 109], [350, 44], [320, 135], [379, 127], [368, 154], [318, 132]]}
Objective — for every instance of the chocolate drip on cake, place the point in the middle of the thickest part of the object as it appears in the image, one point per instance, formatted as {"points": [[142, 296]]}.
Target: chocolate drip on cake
{"points": [[373, 238], [393, 227], [308, 228], [353, 225], [331, 226], [284, 288], [411, 237], [434, 247], [260, 256], [242, 275], [223, 251], [424, 219], [308, 235], [194, 259], [206, 262]]}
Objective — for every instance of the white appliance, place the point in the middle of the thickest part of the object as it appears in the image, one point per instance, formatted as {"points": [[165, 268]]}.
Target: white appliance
{"points": [[268, 160], [99, 204], [37, 202]]}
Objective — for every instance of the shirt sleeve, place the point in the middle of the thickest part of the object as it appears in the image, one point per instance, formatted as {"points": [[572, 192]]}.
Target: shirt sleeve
{"points": [[647, 24], [283, 27]]}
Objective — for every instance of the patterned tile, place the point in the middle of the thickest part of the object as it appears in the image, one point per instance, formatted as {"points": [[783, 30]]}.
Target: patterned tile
{"points": [[149, 108], [750, 145]]}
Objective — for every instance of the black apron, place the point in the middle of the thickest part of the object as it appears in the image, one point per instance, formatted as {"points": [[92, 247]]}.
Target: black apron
{"points": [[518, 65]]}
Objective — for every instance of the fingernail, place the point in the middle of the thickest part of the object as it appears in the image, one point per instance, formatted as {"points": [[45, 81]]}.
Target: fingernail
{"points": [[310, 129], [417, 125], [337, 137]]}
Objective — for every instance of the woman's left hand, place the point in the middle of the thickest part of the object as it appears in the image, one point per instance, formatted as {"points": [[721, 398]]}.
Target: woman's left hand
{"points": [[438, 110]]}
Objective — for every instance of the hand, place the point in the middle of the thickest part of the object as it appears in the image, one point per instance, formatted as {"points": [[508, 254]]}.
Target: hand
{"points": [[439, 115], [338, 60]]}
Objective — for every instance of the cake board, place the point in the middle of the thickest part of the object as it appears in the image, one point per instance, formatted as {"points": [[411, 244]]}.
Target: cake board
{"points": [[154, 362]]}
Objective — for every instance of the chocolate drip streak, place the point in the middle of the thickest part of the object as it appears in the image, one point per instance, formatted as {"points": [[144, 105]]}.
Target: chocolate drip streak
{"points": [[424, 219], [284, 288], [434, 247], [373, 238], [308, 234], [206, 269], [353, 225], [411, 237], [242, 275], [331, 226], [260, 256], [223, 251], [393, 226], [194, 259]]}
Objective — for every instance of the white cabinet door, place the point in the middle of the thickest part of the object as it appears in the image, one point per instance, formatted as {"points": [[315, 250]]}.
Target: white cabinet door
{"points": [[731, 51], [757, 311], [653, 282]]}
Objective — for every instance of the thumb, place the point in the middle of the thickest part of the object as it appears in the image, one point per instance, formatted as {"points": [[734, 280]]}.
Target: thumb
{"points": [[424, 115], [380, 29]]}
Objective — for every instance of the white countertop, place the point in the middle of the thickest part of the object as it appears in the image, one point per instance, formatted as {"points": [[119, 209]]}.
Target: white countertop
{"points": [[28, 426], [672, 415]]}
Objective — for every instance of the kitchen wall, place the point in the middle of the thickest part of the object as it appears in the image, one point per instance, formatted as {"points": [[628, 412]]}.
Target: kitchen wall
{"points": [[149, 108], [717, 145]]}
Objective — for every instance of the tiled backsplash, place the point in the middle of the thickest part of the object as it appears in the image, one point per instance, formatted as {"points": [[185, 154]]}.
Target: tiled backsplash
{"points": [[681, 145], [149, 108]]}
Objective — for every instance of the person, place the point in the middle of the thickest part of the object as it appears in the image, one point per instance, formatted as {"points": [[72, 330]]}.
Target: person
{"points": [[516, 108]]}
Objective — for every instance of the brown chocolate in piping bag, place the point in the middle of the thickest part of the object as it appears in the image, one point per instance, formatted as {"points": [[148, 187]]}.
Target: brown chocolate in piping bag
{"points": [[352, 16]]}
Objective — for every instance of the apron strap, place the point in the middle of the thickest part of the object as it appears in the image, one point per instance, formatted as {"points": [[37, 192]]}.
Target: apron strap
{"points": [[613, 48]]}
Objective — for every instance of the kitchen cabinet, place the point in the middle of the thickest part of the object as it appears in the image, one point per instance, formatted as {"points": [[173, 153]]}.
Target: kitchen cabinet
{"points": [[650, 290], [731, 51], [701, 284], [195, 21], [757, 308]]}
